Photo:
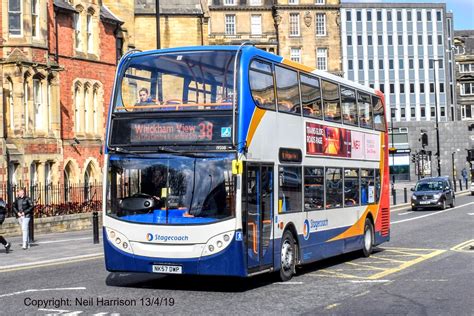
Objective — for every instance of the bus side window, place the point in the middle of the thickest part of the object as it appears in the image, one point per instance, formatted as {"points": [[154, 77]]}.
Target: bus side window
{"points": [[287, 90], [365, 110], [331, 101], [349, 106], [311, 96], [261, 84], [379, 114]]}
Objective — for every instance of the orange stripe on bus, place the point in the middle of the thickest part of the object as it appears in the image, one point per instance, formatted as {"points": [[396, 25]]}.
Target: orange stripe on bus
{"points": [[358, 228], [256, 118], [296, 65]]}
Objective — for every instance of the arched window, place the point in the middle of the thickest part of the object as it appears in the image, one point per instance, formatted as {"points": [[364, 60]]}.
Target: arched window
{"points": [[39, 110], [67, 182], [77, 114], [11, 108], [87, 112], [25, 102], [95, 110], [77, 31], [90, 36]]}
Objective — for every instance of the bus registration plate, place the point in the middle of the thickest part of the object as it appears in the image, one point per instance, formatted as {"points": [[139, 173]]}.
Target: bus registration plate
{"points": [[161, 268]]}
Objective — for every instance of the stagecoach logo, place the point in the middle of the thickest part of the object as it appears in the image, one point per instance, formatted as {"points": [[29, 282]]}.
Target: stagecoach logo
{"points": [[149, 237], [306, 230]]}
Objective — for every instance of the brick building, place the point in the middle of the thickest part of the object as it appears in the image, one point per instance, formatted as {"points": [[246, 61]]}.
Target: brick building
{"points": [[57, 73]]}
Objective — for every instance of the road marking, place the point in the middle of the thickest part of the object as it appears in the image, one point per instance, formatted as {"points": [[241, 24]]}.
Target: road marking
{"points": [[460, 246], [365, 265], [406, 213], [470, 214], [332, 306], [362, 294], [434, 213], [61, 240], [369, 281], [292, 282], [338, 274], [406, 265], [52, 262], [43, 290]]}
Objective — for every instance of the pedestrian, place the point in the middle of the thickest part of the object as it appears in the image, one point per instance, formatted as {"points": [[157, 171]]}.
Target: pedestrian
{"points": [[23, 209], [3, 213]]}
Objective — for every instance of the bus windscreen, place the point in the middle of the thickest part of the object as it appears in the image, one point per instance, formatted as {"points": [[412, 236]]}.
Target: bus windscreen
{"points": [[180, 81]]}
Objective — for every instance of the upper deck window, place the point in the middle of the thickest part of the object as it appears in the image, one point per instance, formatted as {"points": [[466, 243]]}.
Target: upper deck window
{"points": [[200, 80], [261, 84]]}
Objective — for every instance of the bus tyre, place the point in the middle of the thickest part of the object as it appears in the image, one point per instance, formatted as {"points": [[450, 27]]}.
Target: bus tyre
{"points": [[368, 238], [288, 256]]}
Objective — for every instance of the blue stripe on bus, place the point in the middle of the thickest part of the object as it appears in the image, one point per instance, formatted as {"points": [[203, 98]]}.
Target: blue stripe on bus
{"points": [[229, 262]]}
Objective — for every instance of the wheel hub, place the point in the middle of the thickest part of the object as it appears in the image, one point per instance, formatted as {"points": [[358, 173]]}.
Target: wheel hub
{"points": [[286, 255]]}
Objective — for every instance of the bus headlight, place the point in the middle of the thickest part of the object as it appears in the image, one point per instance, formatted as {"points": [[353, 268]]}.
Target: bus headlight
{"points": [[118, 240], [217, 243]]}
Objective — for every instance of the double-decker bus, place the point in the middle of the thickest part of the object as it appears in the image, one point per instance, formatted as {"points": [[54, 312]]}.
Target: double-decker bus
{"points": [[229, 160]]}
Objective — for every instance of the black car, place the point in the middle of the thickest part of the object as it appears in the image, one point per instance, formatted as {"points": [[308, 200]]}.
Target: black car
{"points": [[433, 192]]}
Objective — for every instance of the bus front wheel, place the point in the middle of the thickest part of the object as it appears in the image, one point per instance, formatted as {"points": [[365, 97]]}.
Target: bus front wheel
{"points": [[288, 256], [368, 238]]}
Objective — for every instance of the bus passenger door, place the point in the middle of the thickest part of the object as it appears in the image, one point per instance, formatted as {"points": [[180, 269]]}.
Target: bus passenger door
{"points": [[257, 204]]}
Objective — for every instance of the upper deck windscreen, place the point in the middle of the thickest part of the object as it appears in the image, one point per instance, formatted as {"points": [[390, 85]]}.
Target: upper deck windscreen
{"points": [[197, 80]]}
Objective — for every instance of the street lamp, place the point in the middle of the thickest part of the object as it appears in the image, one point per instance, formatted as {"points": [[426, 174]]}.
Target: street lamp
{"points": [[454, 168], [436, 112]]}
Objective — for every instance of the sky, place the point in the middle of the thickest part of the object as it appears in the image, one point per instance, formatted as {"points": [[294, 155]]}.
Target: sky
{"points": [[463, 10]]}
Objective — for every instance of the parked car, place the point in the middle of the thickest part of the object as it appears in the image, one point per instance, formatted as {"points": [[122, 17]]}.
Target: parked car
{"points": [[433, 192]]}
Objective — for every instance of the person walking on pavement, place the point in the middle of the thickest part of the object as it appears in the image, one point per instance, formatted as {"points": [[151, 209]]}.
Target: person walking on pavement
{"points": [[3, 213], [23, 209]]}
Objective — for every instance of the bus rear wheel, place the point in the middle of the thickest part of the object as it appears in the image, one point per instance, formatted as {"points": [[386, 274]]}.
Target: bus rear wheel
{"points": [[288, 256], [368, 238]]}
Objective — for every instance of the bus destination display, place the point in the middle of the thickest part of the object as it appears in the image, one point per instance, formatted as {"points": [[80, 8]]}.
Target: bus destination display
{"points": [[183, 130]]}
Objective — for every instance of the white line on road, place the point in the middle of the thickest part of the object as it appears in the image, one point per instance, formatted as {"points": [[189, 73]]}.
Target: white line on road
{"points": [[470, 214], [369, 281], [435, 213], [294, 282], [36, 263], [61, 240], [43, 290], [401, 214]]}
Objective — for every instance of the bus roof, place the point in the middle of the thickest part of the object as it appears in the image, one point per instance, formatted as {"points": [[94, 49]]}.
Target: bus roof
{"points": [[264, 54]]}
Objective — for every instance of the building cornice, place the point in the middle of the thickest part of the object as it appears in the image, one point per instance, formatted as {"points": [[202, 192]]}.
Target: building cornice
{"points": [[311, 7]]}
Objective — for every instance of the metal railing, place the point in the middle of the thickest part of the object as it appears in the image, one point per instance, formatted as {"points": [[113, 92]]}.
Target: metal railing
{"points": [[56, 199]]}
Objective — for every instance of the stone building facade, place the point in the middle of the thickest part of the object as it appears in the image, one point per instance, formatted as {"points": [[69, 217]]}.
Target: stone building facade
{"points": [[56, 74], [306, 31]]}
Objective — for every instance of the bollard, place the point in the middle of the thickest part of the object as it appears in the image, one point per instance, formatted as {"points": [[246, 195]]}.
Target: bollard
{"points": [[394, 197], [95, 226], [405, 195], [466, 183], [455, 185], [31, 228], [460, 185]]}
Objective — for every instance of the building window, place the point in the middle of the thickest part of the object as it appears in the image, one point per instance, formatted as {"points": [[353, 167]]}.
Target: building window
{"points": [[359, 16], [400, 63], [77, 111], [294, 24], [361, 64], [464, 68], [25, 102], [390, 64], [409, 16], [229, 2], [359, 40], [418, 16], [348, 16], [432, 111], [440, 40], [320, 1], [412, 112], [400, 40], [420, 63], [422, 88], [350, 64], [295, 54], [293, 2], [379, 16], [349, 40], [371, 64], [382, 87], [428, 16], [430, 40], [399, 16], [441, 87], [466, 112], [87, 110], [412, 88], [402, 113], [322, 56], [389, 16], [38, 104], [380, 64], [443, 111], [11, 108], [420, 40], [90, 38], [390, 41], [369, 40], [320, 24], [467, 88], [411, 64], [432, 87], [402, 88], [256, 20], [95, 109], [438, 16], [34, 18], [369, 16], [230, 24], [422, 111], [77, 31], [392, 88], [14, 17], [255, 2]]}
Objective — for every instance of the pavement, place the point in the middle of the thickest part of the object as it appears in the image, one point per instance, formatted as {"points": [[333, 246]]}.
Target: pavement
{"points": [[50, 249]]}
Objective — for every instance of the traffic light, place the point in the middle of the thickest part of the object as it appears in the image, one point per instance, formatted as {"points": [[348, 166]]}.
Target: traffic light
{"points": [[470, 155], [424, 140]]}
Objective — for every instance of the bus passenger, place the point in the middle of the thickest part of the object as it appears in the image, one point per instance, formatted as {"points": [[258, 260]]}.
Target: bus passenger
{"points": [[144, 97]]}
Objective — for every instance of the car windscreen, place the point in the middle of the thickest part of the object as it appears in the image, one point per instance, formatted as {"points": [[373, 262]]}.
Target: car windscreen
{"points": [[430, 186]]}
